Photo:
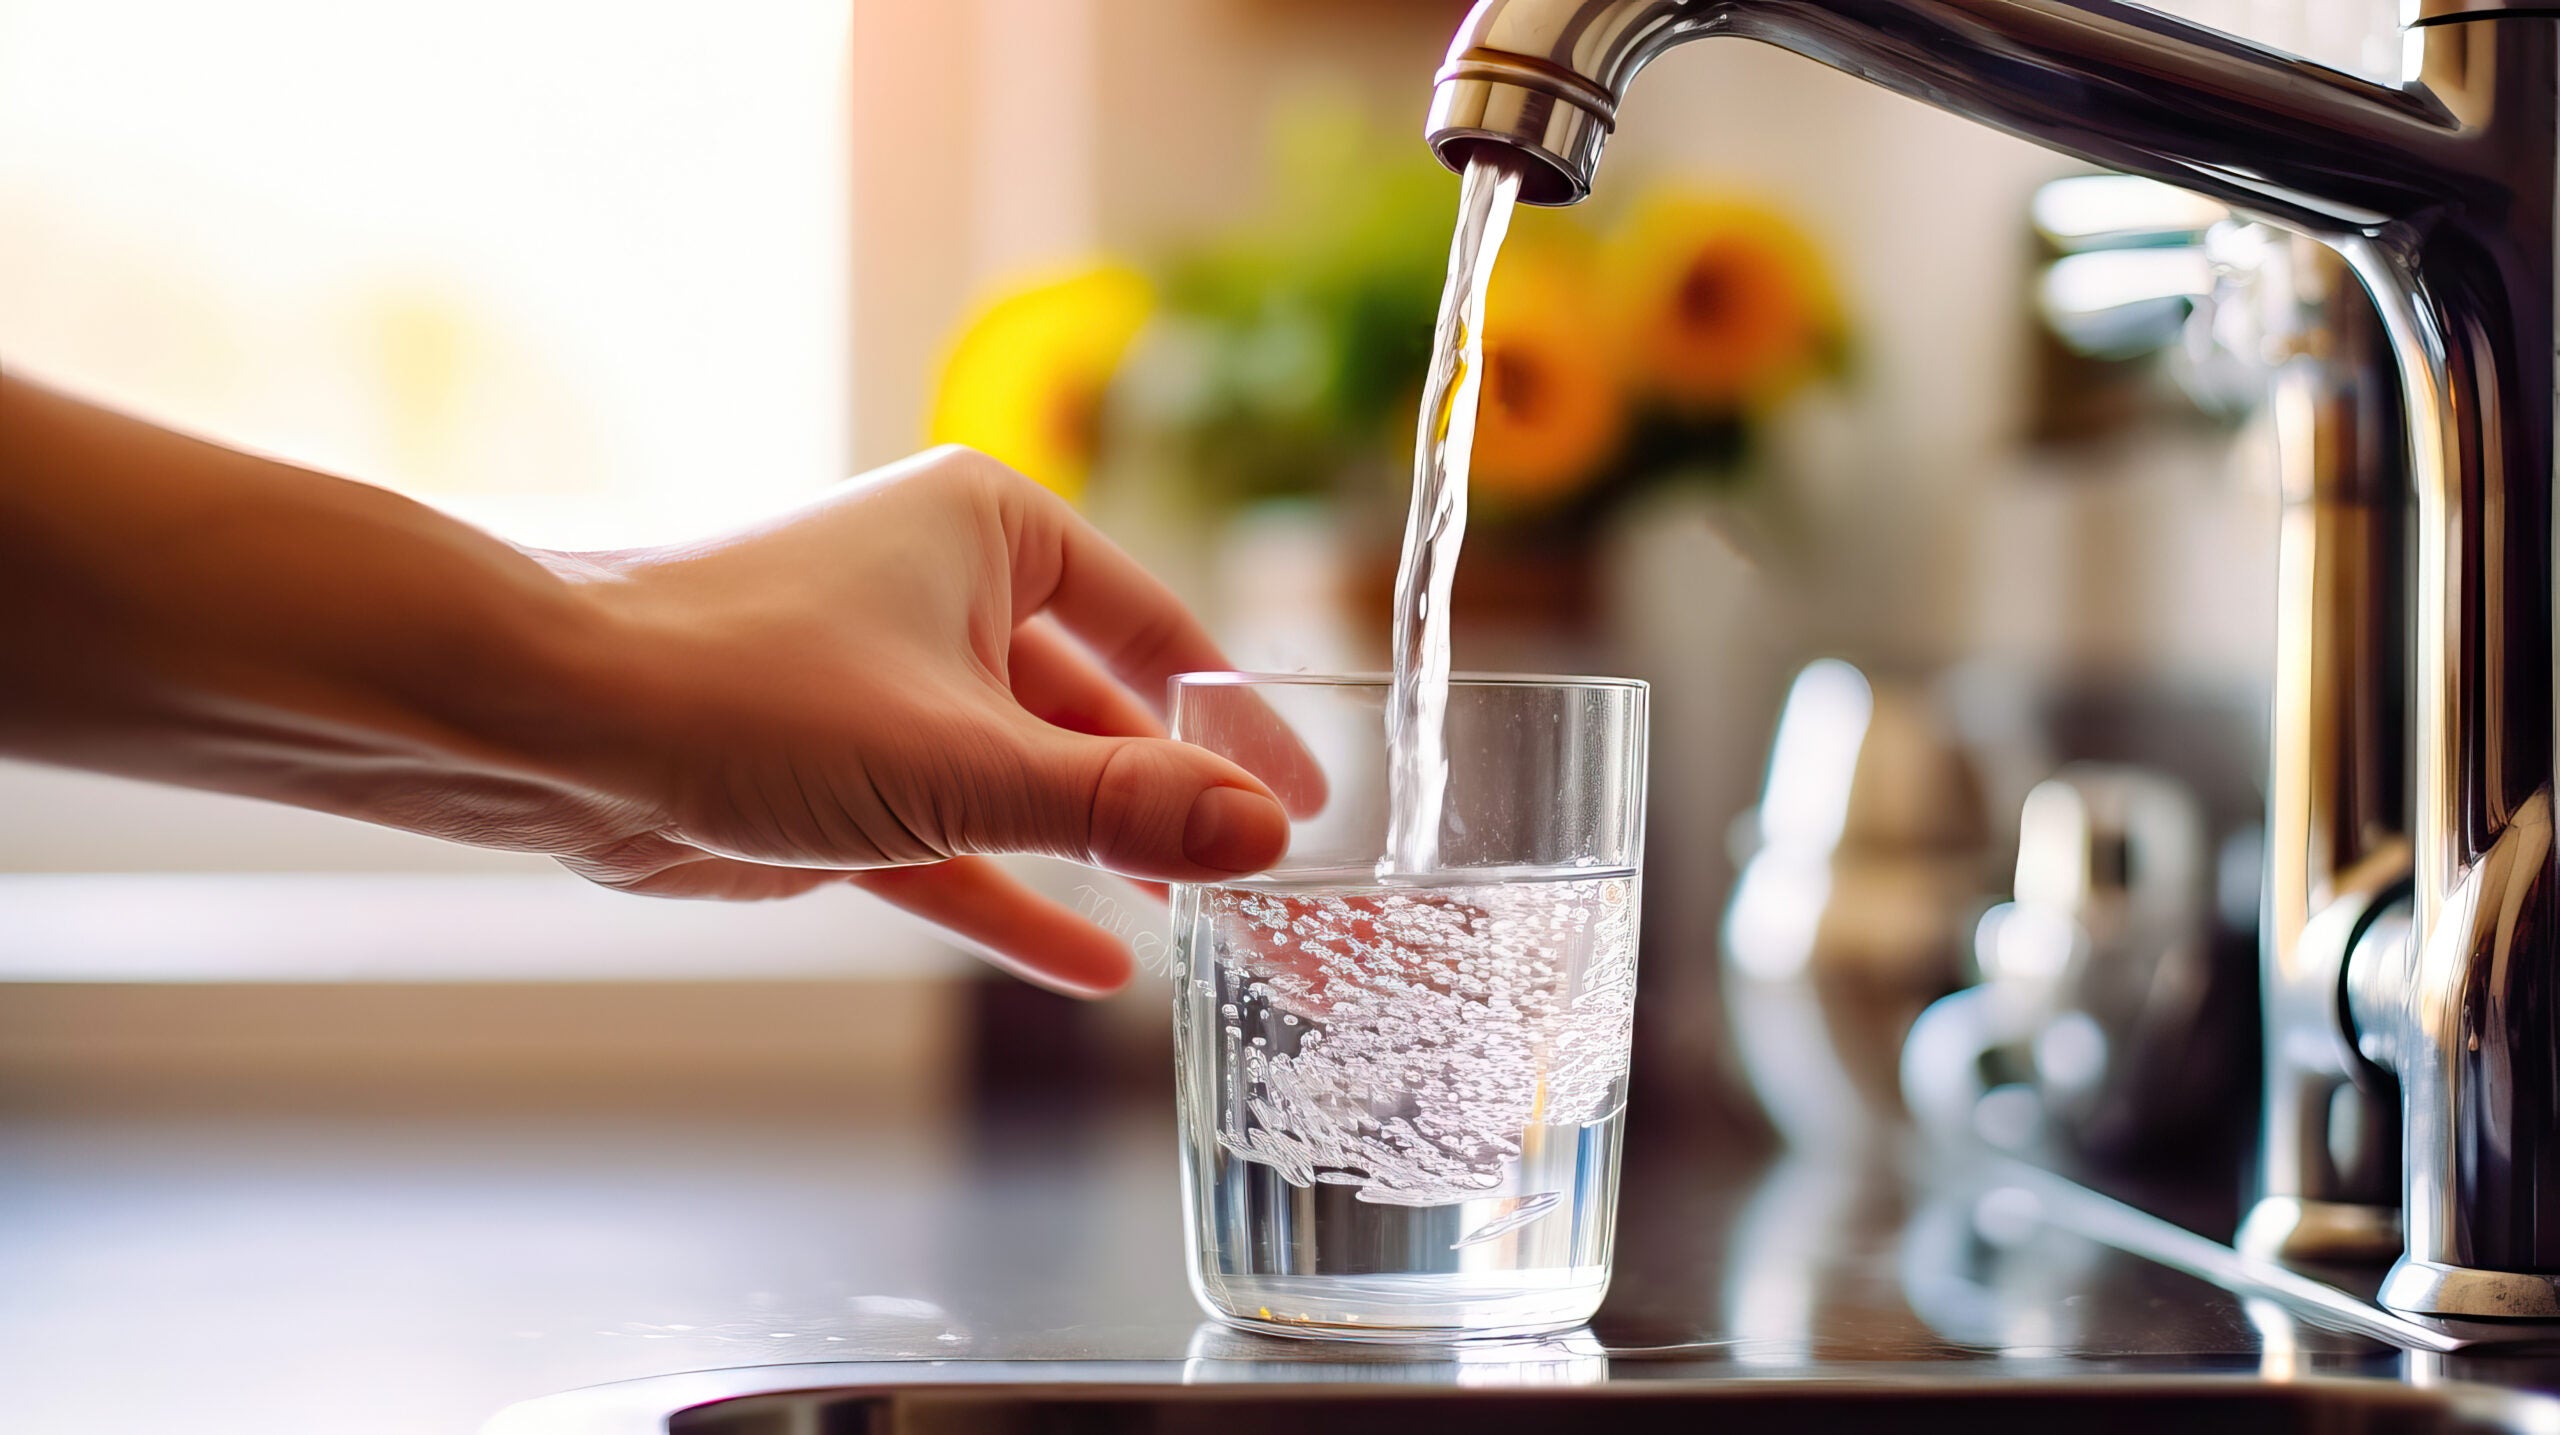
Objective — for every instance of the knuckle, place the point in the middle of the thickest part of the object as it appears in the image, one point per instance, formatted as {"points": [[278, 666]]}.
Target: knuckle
{"points": [[974, 472], [989, 794], [1147, 644], [1137, 802]]}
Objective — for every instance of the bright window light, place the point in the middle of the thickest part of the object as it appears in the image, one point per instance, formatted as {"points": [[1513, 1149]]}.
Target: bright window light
{"points": [[576, 270]]}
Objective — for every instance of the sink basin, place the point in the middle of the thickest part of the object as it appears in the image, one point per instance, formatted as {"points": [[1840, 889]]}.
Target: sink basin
{"points": [[1744, 1410], [1020, 1398]]}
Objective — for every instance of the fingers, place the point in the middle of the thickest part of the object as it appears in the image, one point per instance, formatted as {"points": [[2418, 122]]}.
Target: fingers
{"points": [[1010, 925], [1132, 622], [1015, 928], [971, 899], [1172, 812], [1147, 808], [1142, 633], [1238, 725], [1057, 683]]}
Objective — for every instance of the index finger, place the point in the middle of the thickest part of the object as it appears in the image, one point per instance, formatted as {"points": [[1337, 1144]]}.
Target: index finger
{"points": [[1117, 609], [1136, 626]]}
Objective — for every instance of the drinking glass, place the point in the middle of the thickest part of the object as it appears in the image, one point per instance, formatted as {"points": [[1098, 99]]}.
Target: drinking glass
{"points": [[1401, 1095]]}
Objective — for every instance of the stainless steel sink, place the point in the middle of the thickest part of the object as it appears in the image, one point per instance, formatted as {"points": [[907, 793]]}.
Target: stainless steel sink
{"points": [[1002, 1398], [1739, 1409]]}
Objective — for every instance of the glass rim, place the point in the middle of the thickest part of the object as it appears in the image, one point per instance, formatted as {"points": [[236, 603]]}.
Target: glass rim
{"points": [[1227, 678]]}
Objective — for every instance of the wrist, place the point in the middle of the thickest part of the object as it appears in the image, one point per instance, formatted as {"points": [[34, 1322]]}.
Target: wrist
{"points": [[176, 610], [559, 682]]}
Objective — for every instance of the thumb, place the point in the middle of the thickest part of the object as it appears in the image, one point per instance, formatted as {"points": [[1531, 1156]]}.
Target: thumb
{"points": [[1142, 807]]}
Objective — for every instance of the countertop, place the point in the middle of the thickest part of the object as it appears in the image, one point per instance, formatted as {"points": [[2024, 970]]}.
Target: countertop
{"points": [[417, 1273]]}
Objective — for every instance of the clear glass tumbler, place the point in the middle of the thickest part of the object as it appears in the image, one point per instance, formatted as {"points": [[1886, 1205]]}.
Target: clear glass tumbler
{"points": [[1401, 1097]]}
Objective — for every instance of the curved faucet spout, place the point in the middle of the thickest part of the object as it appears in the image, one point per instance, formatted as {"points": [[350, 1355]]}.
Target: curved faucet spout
{"points": [[2444, 200], [2122, 86]]}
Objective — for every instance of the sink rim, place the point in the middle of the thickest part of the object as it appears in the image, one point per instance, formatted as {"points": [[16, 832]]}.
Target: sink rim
{"points": [[650, 1404]]}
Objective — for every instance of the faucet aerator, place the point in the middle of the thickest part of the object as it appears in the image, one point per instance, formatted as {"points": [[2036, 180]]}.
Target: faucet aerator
{"points": [[1552, 139]]}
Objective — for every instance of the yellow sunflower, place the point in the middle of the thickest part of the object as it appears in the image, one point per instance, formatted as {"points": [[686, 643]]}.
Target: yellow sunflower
{"points": [[1024, 378], [1551, 408], [1724, 303]]}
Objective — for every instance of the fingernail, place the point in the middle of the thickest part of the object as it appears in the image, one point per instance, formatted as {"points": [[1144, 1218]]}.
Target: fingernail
{"points": [[1233, 830]]}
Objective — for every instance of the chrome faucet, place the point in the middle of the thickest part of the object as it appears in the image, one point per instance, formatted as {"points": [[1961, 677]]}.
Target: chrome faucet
{"points": [[2438, 197]]}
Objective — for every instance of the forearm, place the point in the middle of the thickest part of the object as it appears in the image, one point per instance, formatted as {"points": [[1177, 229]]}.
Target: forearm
{"points": [[938, 661], [176, 610]]}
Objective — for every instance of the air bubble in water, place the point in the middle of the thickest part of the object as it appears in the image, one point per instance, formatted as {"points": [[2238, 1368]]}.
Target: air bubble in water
{"points": [[1453, 1020]]}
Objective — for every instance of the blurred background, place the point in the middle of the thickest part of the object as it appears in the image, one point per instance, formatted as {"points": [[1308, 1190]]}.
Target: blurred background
{"points": [[1819, 374], [1780, 390]]}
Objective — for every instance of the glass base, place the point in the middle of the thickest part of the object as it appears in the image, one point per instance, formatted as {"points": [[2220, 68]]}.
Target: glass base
{"points": [[1433, 1307]]}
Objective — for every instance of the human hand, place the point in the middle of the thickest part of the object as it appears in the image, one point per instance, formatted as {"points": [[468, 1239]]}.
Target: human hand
{"points": [[932, 663], [936, 661]]}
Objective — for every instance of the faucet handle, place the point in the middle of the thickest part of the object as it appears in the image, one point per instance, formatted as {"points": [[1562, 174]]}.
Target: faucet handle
{"points": [[2329, 1165]]}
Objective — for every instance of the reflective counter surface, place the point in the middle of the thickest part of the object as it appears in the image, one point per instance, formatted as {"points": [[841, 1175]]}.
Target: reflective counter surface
{"points": [[1784, 1291], [597, 1274]]}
